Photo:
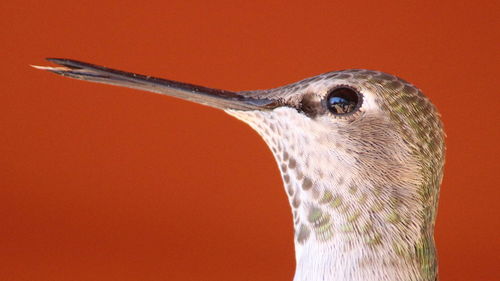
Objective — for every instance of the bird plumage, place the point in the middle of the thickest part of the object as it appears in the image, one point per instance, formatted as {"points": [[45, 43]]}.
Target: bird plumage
{"points": [[361, 154], [363, 188]]}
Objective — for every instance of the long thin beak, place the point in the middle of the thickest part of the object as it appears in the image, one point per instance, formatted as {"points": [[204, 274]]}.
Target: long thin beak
{"points": [[220, 99]]}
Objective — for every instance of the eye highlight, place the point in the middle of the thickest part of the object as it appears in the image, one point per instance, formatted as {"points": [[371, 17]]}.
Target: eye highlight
{"points": [[343, 101]]}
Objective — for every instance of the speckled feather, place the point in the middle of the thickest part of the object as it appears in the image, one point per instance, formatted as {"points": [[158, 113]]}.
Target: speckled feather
{"points": [[364, 187]]}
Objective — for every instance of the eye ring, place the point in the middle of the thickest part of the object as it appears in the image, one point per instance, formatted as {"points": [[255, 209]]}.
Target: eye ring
{"points": [[343, 101]]}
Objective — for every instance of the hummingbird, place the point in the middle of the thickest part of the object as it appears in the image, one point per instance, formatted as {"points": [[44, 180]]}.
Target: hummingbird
{"points": [[361, 155]]}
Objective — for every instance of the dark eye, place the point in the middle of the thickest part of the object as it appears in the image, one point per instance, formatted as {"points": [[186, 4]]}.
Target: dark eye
{"points": [[342, 101]]}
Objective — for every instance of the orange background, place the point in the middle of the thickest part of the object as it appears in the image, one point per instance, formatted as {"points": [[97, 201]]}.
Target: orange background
{"points": [[103, 183]]}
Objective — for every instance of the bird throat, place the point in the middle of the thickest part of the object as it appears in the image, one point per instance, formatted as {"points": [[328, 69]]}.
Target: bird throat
{"points": [[351, 222]]}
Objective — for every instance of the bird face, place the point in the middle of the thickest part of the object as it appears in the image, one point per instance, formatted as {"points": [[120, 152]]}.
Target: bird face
{"points": [[361, 154], [357, 150], [348, 143]]}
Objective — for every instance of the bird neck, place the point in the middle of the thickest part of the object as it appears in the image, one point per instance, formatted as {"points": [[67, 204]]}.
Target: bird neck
{"points": [[365, 258], [359, 235]]}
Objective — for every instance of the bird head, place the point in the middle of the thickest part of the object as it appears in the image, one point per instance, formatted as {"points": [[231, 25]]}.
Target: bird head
{"points": [[361, 155], [363, 147]]}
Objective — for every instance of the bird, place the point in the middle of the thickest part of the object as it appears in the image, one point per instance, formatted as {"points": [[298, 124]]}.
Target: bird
{"points": [[361, 155]]}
